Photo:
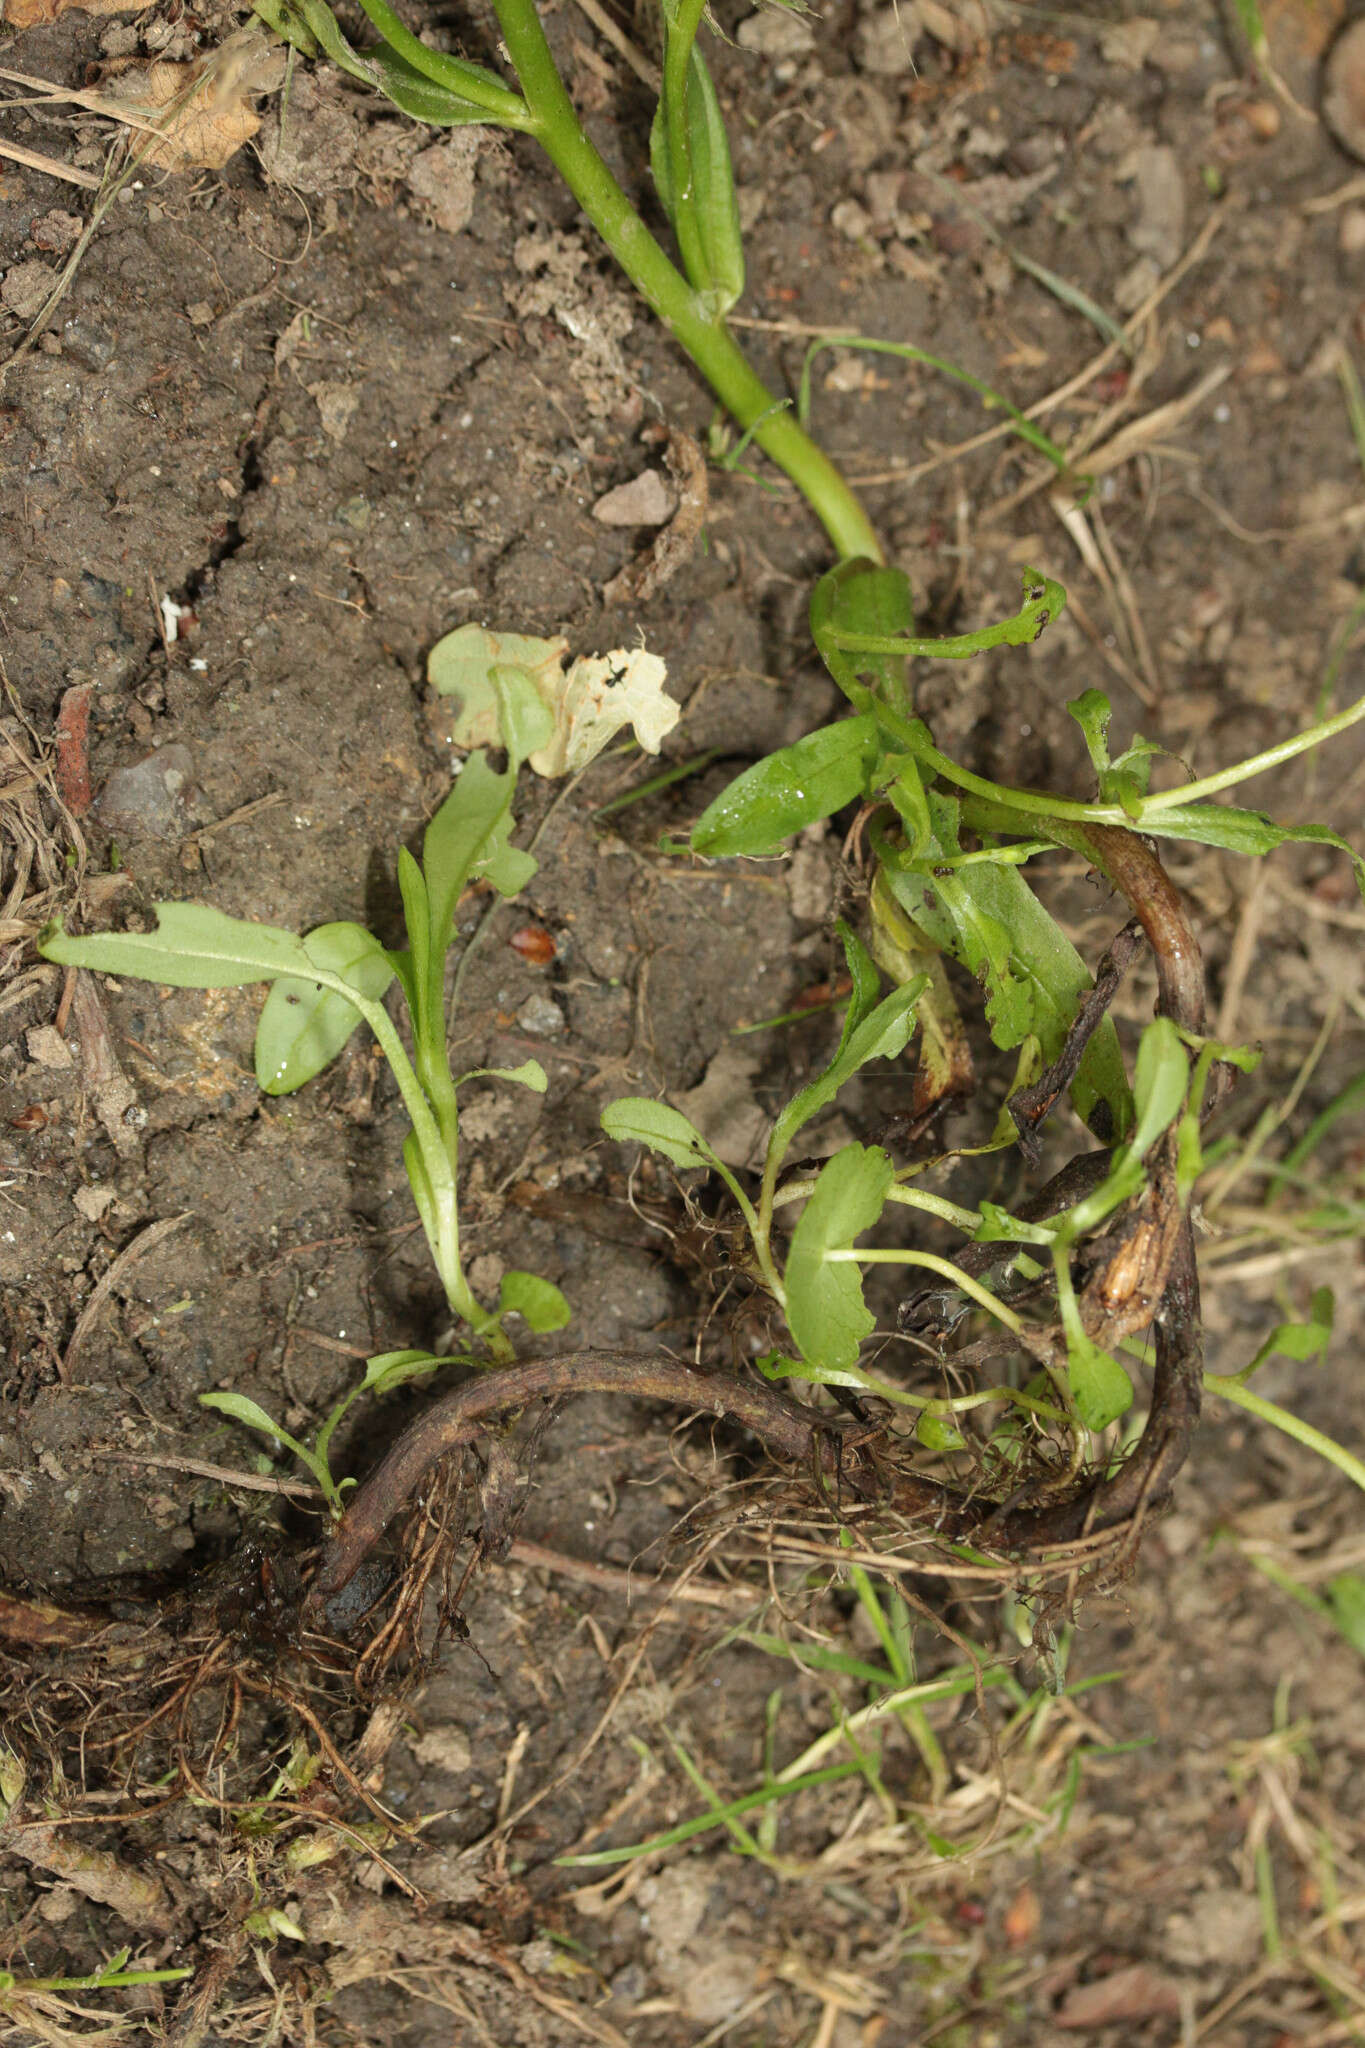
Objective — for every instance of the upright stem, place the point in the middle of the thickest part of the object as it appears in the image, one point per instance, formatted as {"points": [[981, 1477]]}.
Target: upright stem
{"points": [[556, 126]]}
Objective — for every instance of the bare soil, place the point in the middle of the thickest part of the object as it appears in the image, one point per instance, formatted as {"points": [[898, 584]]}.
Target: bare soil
{"points": [[329, 429]]}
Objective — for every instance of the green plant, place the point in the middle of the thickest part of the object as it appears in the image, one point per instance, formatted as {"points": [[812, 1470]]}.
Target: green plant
{"points": [[947, 852], [690, 161], [325, 984]]}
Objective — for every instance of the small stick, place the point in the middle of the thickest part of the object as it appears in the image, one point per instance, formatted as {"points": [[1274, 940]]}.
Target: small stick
{"points": [[149, 1239], [49, 166], [702, 1593]]}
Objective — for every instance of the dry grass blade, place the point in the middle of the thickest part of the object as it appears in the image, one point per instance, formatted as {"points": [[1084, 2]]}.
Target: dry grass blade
{"points": [[144, 1242]]}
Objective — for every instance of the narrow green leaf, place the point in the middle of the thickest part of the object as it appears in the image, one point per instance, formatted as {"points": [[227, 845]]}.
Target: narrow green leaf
{"points": [[862, 972], [711, 203], [898, 778], [786, 791], [193, 946], [881, 1035], [637, 1120], [472, 92], [1160, 1081], [1245, 832], [995, 401], [303, 1027], [1092, 712], [462, 665], [526, 720], [539, 1303], [389, 1369], [530, 1074], [246, 1411], [936, 1434], [1346, 1598], [455, 840], [825, 1308]]}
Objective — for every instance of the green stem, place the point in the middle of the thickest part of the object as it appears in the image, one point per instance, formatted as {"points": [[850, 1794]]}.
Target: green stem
{"points": [[856, 1255], [1259, 764], [1292, 1425], [709, 343]]}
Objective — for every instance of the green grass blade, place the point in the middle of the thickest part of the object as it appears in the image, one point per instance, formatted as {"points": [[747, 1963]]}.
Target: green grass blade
{"points": [[701, 1823]]}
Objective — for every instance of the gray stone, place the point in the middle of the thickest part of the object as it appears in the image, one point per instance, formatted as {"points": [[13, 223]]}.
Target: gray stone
{"points": [[150, 796]]}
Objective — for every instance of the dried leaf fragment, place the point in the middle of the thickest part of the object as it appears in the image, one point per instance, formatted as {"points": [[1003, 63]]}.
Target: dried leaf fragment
{"points": [[36, 13], [199, 111], [591, 701], [600, 695]]}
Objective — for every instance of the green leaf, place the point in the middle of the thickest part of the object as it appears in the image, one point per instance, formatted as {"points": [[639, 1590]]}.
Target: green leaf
{"points": [[1092, 712], [193, 946], [506, 867], [1245, 832], [1160, 1082], [988, 918], [898, 778], [464, 663], [825, 1308], [637, 1120], [1043, 601], [863, 598], [417, 917], [430, 86], [1300, 1341], [936, 1434], [711, 203], [530, 1074], [389, 1369], [540, 1304], [880, 1036], [526, 720], [252, 1416], [1100, 1387], [385, 1371], [456, 838], [303, 1027], [774, 1365], [787, 791], [1346, 1598], [862, 972]]}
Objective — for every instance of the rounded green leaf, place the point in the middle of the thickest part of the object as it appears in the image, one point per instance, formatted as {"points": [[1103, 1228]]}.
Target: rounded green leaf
{"points": [[937, 1434], [303, 1027], [1100, 1387], [538, 1302], [826, 1312]]}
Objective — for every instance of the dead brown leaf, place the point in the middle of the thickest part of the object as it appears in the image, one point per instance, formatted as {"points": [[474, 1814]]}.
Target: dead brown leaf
{"points": [[1136, 1993], [1022, 1917], [199, 111], [36, 13]]}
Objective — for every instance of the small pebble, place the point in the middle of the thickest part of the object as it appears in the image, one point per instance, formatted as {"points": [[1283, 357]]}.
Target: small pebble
{"points": [[1343, 99]]}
